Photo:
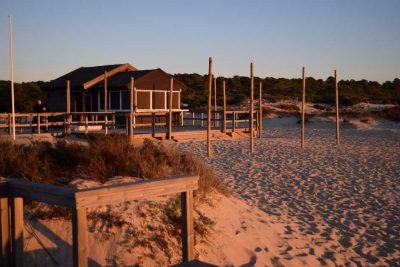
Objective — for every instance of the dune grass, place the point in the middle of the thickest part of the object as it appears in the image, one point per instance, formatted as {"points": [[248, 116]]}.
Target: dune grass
{"points": [[104, 157]]}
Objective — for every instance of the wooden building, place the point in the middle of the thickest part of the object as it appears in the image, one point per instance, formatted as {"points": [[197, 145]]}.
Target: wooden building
{"points": [[87, 87]]}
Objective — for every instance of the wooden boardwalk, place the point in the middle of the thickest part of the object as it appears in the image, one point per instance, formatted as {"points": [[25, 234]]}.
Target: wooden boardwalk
{"points": [[13, 192]]}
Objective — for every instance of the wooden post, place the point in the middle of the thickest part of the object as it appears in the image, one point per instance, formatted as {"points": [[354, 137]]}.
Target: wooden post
{"points": [[210, 78], [135, 98], [79, 237], [68, 94], [337, 110], [153, 124], [303, 107], [131, 108], [105, 102], [171, 89], [202, 118], [233, 121], [260, 117], [193, 117], [215, 103], [38, 123], [224, 107], [10, 124], [12, 78], [187, 226], [18, 231], [86, 124], [5, 257], [182, 118], [251, 126]]}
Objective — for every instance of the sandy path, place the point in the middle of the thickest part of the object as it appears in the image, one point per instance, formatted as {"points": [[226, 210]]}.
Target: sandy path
{"points": [[338, 204]]}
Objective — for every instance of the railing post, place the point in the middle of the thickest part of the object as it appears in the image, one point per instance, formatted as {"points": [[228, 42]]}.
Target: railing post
{"points": [[153, 125], [79, 237], [202, 118], [5, 233], [233, 121], [182, 123], [187, 226], [38, 123], [17, 211], [9, 124], [86, 124]]}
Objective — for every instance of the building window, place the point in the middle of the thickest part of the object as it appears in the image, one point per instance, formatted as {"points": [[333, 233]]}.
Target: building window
{"points": [[126, 99], [115, 100]]}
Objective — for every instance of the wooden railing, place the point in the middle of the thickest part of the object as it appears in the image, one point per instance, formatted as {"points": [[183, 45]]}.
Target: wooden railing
{"points": [[13, 192]]}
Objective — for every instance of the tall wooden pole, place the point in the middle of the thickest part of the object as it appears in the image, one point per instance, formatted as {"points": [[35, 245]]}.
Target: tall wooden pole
{"points": [[105, 102], [224, 106], [170, 109], [260, 117], [215, 102], [12, 78], [210, 80], [251, 126], [337, 109], [68, 93], [303, 105], [131, 108]]}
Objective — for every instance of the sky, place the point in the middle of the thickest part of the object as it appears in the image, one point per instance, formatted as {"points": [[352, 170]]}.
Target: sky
{"points": [[361, 39]]}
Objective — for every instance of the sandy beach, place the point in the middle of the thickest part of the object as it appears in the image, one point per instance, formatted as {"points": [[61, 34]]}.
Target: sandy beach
{"points": [[337, 205]]}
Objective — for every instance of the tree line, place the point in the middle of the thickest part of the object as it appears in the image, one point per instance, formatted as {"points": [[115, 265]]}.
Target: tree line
{"points": [[238, 91]]}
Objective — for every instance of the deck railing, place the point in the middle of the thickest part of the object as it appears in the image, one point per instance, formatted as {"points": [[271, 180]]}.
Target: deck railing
{"points": [[13, 192]]}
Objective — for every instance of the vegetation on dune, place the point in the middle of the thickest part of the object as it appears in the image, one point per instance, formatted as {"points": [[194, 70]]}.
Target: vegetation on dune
{"points": [[104, 157]]}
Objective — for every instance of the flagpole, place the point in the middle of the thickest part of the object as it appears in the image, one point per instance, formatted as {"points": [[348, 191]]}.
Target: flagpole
{"points": [[12, 78]]}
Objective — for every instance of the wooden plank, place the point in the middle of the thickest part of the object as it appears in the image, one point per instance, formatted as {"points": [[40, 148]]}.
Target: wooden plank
{"points": [[98, 79], [251, 126], [337, 110], [209, 107], [303, 106], [5, 243], [18, 231], [79, 238], [260, 116], [51, 194], [131, 191], [187, 226]]}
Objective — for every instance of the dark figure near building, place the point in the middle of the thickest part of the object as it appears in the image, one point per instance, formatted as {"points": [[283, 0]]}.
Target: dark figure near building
{"points": [[38, 108]]}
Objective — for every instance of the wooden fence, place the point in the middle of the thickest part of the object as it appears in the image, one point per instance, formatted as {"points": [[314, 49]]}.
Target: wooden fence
{"points": [[13, 192], [65, 123]]}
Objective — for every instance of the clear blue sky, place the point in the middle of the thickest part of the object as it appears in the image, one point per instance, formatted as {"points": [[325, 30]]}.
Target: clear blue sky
{"points": [[359, 38]]}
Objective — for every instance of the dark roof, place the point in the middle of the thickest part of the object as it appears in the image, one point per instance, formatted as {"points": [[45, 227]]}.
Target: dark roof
{"points": [[119, 75], [123, 78], [80, 76]]}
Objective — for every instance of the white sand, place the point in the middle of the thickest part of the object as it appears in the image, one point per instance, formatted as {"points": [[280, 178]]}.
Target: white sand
{"points": [[338, 203]]}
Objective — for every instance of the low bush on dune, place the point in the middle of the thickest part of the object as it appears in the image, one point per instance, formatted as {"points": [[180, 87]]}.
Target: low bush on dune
{"points": [[392, 113], [104, 157]]}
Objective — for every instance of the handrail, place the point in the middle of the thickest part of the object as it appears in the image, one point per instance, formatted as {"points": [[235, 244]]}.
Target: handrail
{"points": [[15, 191]]}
